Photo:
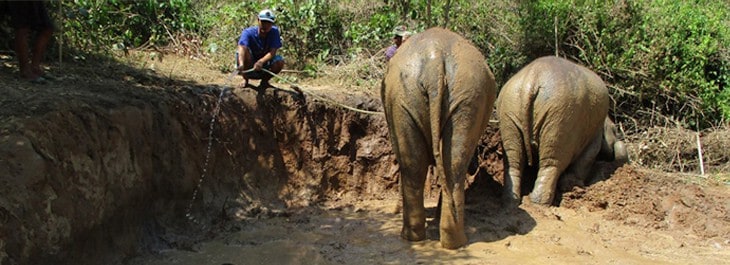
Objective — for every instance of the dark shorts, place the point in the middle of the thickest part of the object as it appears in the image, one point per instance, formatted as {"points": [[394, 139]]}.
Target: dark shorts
{"points": [[267, 65], [29, 14]]}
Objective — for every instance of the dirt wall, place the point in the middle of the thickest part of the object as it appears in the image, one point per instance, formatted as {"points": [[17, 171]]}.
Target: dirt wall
{"points": [[84, 174]]}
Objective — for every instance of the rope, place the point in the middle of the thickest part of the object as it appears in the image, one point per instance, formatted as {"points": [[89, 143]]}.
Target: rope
{"points": [[297, 89]]}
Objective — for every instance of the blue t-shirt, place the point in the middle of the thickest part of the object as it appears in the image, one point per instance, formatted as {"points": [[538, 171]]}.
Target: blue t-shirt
{"points": [[258, 46]]}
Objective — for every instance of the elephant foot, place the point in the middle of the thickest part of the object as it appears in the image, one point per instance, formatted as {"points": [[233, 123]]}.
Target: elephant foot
{"points": [[413, 234], [453, 241], [544, 198]]}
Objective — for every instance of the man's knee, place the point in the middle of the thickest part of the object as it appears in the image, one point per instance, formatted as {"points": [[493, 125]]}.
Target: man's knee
{"points": [[277, 66]]}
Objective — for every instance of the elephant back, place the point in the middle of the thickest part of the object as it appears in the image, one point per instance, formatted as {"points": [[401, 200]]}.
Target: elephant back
{"points": [[437, 55], [550, 97]]}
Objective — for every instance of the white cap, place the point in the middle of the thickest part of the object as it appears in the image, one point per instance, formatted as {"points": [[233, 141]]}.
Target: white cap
{"points": [[267, 15], [401, 31]]}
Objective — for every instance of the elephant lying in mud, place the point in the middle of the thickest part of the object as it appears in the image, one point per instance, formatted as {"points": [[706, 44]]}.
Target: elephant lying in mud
{"points": [[438, 93], [553, 116]]}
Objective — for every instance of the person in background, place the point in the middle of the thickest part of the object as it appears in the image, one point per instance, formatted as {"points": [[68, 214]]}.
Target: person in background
{"points": [[26, 17], [257, 49], [400, 34]]}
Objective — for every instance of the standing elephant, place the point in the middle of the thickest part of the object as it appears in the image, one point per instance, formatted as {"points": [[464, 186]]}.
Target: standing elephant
{"points": [[553, 116], [438, 93]]}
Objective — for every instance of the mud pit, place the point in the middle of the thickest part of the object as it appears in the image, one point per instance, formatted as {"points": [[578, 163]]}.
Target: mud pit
{"points": [[99, 168]]}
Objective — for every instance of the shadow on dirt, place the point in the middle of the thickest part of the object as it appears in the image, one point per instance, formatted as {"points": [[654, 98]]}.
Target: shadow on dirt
{"points": [[487, 219], [121, 150]]}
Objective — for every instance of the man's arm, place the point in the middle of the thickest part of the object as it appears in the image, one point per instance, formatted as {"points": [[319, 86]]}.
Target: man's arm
{"points": [[267, 57], [241, 57]]}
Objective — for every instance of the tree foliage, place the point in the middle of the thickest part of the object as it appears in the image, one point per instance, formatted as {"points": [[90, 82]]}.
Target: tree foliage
{"points": [[99, 24], [661, 58]]}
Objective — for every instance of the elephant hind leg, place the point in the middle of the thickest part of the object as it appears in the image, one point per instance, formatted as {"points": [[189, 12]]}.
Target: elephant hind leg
{"points": [[451, 221], [513, 175], [515, 163], [577, 173], [414, 156], [459, 140], [413, 179], [547, 181]]}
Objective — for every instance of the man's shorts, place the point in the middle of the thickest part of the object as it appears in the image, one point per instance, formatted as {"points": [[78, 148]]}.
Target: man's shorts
{"points": [[29, 14], [259, 74]]}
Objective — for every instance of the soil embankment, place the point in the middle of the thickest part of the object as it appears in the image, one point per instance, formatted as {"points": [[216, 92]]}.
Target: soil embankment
{"points": [[102, 166]]}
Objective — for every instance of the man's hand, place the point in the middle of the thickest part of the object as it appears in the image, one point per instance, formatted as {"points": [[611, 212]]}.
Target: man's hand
{"points": [[258, 65]]}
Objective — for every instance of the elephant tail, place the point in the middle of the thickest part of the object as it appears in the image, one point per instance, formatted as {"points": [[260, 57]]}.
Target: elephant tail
{"points": [[527, 97], [438, 113]]}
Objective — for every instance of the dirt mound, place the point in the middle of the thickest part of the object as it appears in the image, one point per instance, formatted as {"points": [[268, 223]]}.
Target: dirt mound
{"points": [[656, 200]]}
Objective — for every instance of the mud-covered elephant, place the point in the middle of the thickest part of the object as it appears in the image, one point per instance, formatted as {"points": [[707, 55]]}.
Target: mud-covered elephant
{"points": [[438, 93], [553, 117]]}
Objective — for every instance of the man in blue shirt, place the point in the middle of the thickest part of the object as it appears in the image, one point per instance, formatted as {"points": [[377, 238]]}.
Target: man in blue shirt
{"points": [[257, 50]]}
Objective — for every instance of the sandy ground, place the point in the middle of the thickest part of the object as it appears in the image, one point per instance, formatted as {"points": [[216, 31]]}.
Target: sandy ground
{"points": [[367, 233]]}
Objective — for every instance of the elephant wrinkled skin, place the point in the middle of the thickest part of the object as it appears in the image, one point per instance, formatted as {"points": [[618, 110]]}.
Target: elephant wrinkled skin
{"points": [[438, 93], [553, 115]]}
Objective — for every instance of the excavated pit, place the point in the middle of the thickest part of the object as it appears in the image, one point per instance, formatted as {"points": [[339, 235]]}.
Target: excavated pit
{"points": [[92, 173], [100, 166]]}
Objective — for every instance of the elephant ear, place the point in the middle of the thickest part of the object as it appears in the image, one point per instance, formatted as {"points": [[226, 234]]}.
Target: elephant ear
{"points": [[612, 146], [620, 153]]}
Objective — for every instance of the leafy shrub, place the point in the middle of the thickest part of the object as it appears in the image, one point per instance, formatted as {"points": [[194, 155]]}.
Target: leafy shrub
{"points": [[662, 59], [494, 27], [313, 31], [99, 24], [222, 24], [685, 42]]}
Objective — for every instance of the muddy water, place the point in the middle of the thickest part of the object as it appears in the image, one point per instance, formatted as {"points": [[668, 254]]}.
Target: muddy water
{"points": [[337, 236], [367, 232]]}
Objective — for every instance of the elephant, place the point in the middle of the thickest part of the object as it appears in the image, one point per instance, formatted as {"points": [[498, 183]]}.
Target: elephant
{"points": [[438, 94], [553, 117]]}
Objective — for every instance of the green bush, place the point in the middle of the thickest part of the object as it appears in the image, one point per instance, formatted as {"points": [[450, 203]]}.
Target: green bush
{"points": [[100, 25], [686, 42], [314, 32], [222, 24], [658, 57], [495, 28], [662, 59]]}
